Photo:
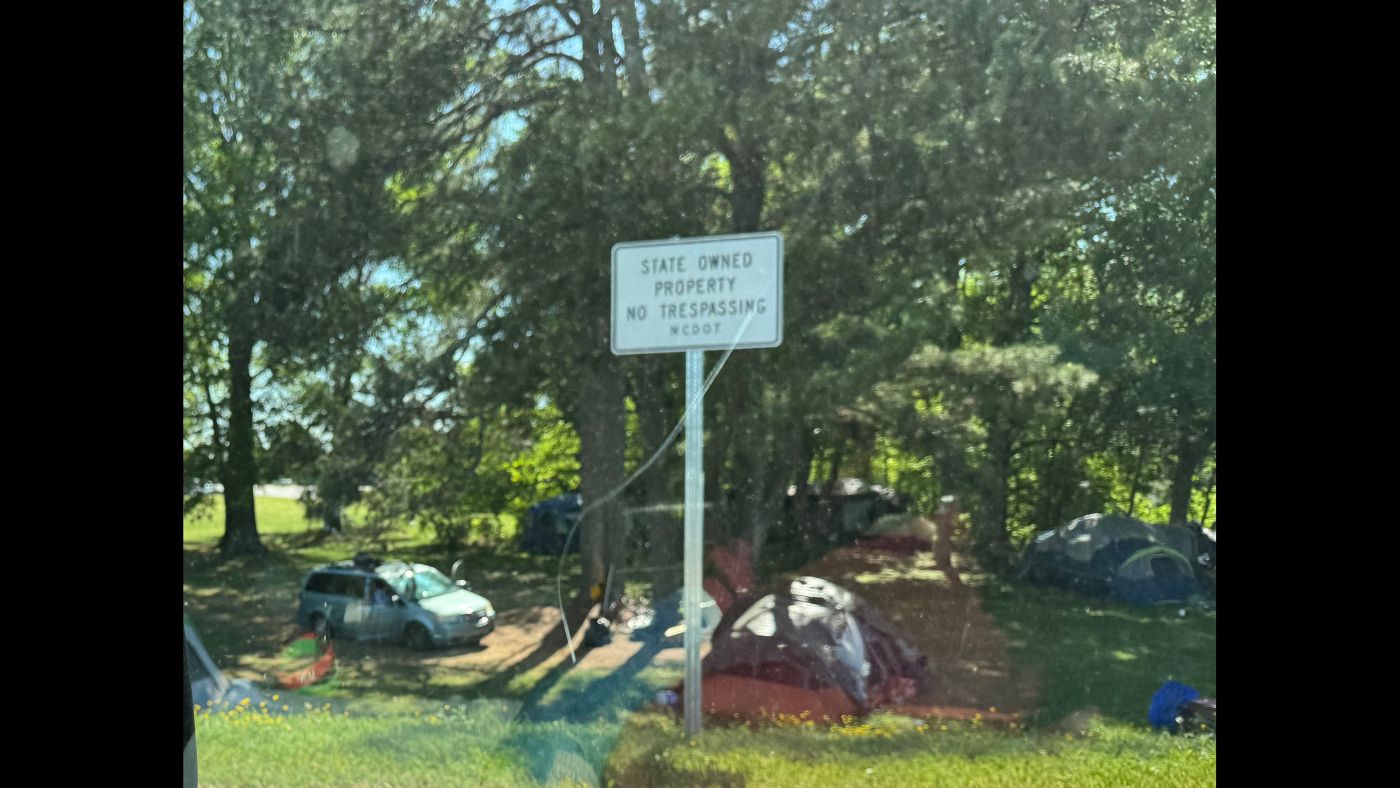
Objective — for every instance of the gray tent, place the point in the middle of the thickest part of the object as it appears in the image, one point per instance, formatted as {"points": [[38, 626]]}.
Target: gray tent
{"points": [[854, 505]]}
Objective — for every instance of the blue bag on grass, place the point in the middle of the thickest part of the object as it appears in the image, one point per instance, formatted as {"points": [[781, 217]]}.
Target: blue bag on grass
{"points": [[1170, 697]]}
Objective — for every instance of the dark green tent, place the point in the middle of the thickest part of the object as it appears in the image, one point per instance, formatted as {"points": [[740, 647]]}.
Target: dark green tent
{"points": [[1122, 557]]}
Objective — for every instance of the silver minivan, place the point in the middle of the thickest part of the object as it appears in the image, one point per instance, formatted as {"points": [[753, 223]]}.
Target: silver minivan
{"points": [[364, 599]]}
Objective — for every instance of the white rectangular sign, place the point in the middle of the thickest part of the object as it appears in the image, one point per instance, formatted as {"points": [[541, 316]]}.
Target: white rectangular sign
{"points": [[697, 293]]}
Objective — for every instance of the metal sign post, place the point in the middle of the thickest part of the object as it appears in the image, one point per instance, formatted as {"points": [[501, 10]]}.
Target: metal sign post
{"points": [[721, 292], [694, 530]]}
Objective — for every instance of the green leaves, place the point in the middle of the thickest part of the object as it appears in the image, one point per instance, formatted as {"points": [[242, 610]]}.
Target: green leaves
{"points": [[999, 223]]}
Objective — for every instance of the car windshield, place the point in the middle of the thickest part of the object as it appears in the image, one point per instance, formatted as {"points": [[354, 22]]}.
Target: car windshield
{"points": [[427, 582]]}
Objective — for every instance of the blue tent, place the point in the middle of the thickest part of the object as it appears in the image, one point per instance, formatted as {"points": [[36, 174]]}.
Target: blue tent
{"points": [[1124, 558], [548, 523]]}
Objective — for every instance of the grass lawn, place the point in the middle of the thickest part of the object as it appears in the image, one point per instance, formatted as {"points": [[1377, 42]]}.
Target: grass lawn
{"points": [[899, 751], [1085, 655], [447, 747], [455, 748]]}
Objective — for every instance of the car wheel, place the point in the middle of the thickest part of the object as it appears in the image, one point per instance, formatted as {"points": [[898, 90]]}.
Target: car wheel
{"points": [[417, 637]]}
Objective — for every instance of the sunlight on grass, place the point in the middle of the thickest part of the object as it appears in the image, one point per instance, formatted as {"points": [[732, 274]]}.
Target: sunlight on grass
{"points": [[893, 575], [466, 745], [895, 751], [275, 516]]}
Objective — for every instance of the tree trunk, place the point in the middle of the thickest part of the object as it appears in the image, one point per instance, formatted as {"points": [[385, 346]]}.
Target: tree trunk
{"points": [[1192, 447], [1189, 456], [331, 519], [990, 539], [1021, 276], [952, 276], [664, 535], [716, 454], [757, 474], [742, 394], [1209, 497], [1133, 483], [801, 479], [634, 62], [787, 460], [1047, 502], [240, 465], [602, 431], [838, 455], [1183, 474], [335, 488], [743, 400], [747, 197]]}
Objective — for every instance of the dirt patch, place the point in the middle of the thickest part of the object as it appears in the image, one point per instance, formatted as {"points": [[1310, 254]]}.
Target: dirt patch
{"points": [[386, 668], [520, 632]]}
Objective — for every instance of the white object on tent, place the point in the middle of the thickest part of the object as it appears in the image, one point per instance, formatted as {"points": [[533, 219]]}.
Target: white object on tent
{"points": [[709, 619]]}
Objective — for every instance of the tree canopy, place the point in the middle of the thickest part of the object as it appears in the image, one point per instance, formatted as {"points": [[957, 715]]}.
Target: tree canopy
{"points": [[999, 220]]}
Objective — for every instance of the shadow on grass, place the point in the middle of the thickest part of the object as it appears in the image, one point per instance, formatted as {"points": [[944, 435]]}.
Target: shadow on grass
{"points": [[570, 737], [605, 698]]}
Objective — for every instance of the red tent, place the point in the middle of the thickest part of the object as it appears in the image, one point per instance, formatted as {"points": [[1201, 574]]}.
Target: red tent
{"points": [[813, 647]]}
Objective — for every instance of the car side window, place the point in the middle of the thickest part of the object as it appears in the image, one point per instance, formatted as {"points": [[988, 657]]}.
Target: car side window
{"points": [[352, 586], [320, 584]]}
